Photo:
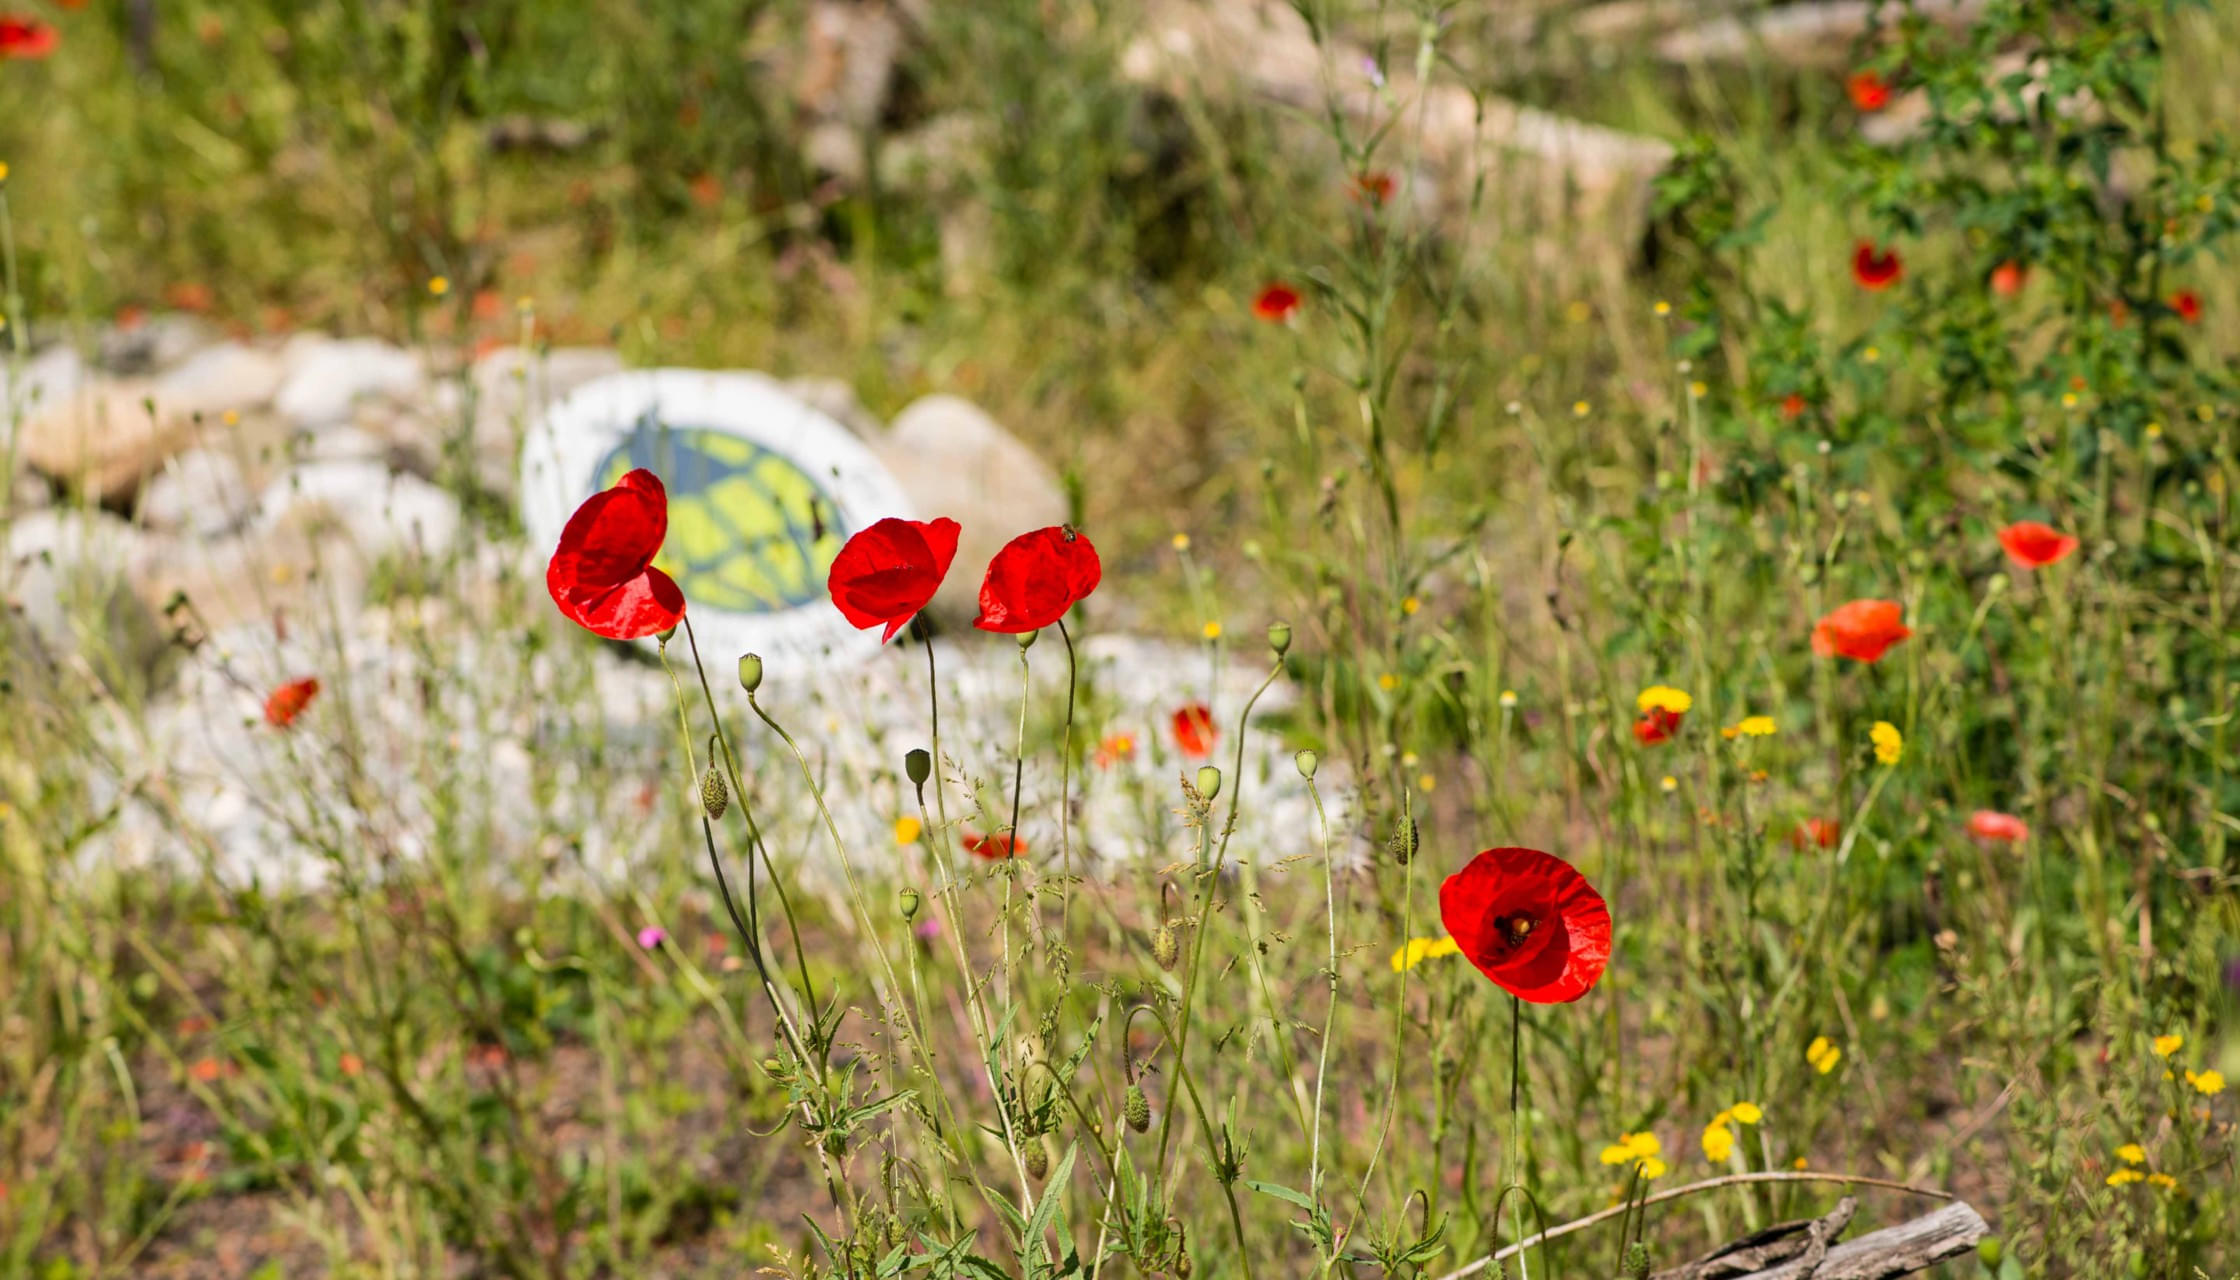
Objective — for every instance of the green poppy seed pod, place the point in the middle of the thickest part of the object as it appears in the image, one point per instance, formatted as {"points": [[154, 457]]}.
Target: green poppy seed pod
{"points": [[715, 796], [1279, 637], [1402, 845], [909, 904], [1209, 781], [1165, 948], [1991, 1250], [1182, 1266], [1137, 1109], [1038, 1159], [750, 671], [1635, 1266], [917, 764], [1308, 762], [1026, 641]]}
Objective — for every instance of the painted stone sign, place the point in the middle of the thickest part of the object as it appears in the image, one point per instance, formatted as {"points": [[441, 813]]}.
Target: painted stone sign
{"points": [[763, 491]]}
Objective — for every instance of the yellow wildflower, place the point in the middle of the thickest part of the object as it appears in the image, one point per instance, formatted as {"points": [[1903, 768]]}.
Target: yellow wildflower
{"points": [[1889, 744], [1664, 308], [1822, 1054], [2162, 1180], [1410, 605], [1181, 541], [1579, 408], [1699, 388], [3, 171], [1746, 1113], [1508, 697], [1388, 682], [1718, 1143], [1418, 950], [1652, 1168], [2164, 1046], [439, 286], [1755, 727], [1669, 783], [1212, 630], [2208, 1083], [2123, 1176], [1638, 1149], [2131, 1153], [1426, 782], [907, 830], [1664, 697], [1799, 1163]]}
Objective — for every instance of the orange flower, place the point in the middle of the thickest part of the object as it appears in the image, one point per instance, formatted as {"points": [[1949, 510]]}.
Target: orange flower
{"points": [[190, 296], [1815, 833], [1792, 406], [352, 1064], [2187, 304], [1374, 188], [1869, 92], [1990, 824], [1276, 303], [1115, 748], [288, 701], [1862, 630], [2034, 546], [2008, 278], [205, 1070]]}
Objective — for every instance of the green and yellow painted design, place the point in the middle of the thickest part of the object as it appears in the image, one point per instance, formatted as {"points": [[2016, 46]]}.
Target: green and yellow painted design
{"points": [[749, 530]]}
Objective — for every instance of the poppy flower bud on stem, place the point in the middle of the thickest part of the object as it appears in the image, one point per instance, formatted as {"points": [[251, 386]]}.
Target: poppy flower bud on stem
{"points": [[715, 796], [1209, 781], [1137, 1109], [909, 904], [917, 763], [750, 671], [1165, 948], [1308, 762], [1279, 637]]}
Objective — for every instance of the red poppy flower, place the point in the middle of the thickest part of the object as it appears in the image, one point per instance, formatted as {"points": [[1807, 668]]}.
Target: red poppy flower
{"points": [[26, 38], [1276, 303], [1862, 630], [1656, 725], [1869, 92], [2033, 545], [2187, 304], [288, 701], [1875, 267], [1530, 922], [2119, 312], [2008, 278], [1374, 188], [1115, 748], [1816, 833], [889, 571], [602, 577], [1990, 824], [1036, 578], [1792, 406], [995, 848], [1194, 734]]}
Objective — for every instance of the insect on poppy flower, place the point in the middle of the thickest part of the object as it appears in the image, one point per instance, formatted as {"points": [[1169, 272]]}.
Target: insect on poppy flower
{"points": [[1869, 91], [2008, 278], [1529, 922], [995, 848], [1194, 734], [1875, 267], [888, 572], [602, 576], [2034, 546], [2187, 304], [1036, 578], [1990, 824], [1862, 630], [288, 701], [1276, 303], [26, 38]]}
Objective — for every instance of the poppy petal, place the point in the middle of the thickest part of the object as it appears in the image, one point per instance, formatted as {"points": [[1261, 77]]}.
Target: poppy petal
{"points": [[1036, 578], [645, 605], [614, 535], [1565, 942], [889, 572]]}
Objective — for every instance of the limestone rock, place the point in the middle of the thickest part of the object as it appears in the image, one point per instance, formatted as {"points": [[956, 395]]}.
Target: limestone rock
{"points": [[836, 400], [203, 492], [326, 377], [382, 512], [154, 343], [503, 393], [66, 578], [107, 437], [953, 460]]}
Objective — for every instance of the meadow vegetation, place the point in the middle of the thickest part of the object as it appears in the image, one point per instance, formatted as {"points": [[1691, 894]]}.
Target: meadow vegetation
{"points": [[1552, 546]]}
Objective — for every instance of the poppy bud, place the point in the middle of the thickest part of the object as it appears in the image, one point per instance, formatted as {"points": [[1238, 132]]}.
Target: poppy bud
{"points": [[1635, 1266], [1026, 641], [1209, 781], [1990, 1250], [917, 763], [1182, 1266], [750, 671], [1402, 845], [715, 797], [1279, 637], [909, 904], [1164, 948], [1137, 1109], [1308, 762], [1038, 1158]]}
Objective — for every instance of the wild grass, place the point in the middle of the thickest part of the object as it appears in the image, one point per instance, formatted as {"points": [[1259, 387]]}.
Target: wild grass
{"points": [[1492, 496]]}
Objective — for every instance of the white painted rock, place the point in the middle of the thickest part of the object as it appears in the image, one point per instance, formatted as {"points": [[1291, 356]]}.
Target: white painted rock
{"points": [[956, 461], [202, 492], [326, 376]]}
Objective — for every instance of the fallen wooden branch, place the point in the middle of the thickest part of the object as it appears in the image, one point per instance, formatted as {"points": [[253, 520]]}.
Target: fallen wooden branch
{"points": [[1946, 1233]]}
